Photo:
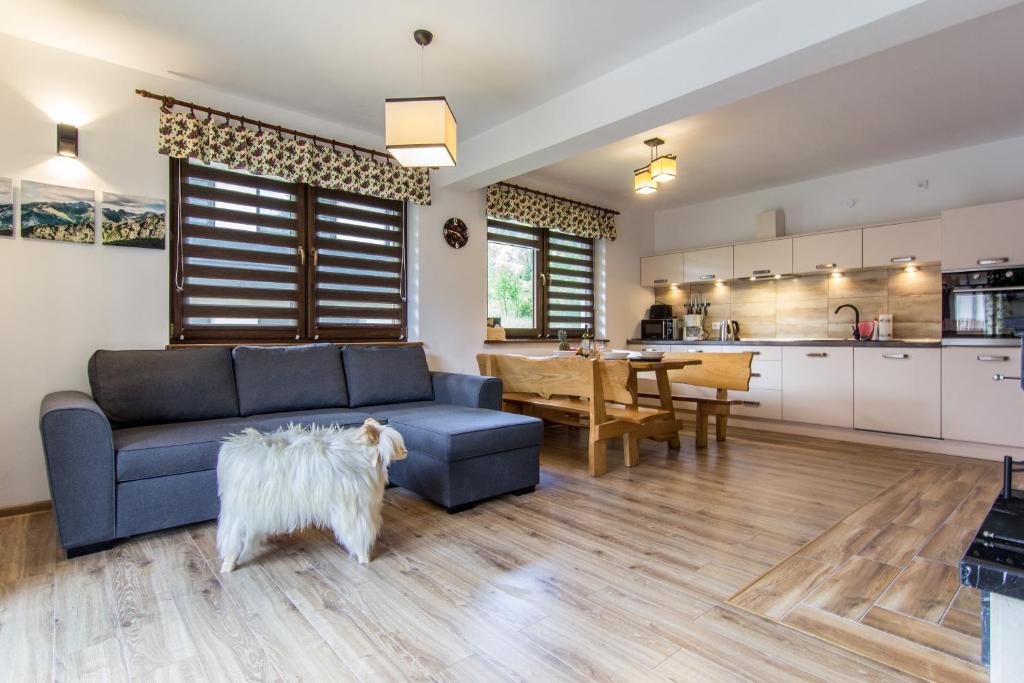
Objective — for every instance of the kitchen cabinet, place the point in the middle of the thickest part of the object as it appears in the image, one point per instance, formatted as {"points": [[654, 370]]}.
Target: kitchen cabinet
{"points": [[763, 403], [817, 385], [986, 236], [903, 243], [828, 251], [974, 406], [707, 265], [773, 257], [661, 270], [897, 390]]}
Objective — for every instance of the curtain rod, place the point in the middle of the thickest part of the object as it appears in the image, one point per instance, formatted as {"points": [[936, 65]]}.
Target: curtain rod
{"points": [[169, 102], [561, 199]]}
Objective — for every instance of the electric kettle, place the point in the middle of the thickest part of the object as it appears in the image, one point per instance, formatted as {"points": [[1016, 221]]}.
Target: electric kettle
{"points": [[728, 330]]}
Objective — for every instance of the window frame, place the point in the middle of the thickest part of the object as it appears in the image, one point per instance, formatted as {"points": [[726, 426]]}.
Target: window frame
{"points": [[544, 329], [307, 329]]}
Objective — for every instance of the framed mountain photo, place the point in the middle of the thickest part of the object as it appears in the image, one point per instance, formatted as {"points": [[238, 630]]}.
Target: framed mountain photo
{"points": [[61, 214], [127, 221], [6, 207]]}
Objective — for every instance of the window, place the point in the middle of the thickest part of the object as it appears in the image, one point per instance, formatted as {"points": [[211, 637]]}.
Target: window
{"points": [[539, 281], [255, 258]]}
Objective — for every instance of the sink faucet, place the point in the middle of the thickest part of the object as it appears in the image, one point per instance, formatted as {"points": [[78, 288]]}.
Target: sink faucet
{"points": [[856, 319]]}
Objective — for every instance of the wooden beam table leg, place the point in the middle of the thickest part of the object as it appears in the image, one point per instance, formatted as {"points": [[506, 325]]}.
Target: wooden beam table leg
{"points": [[598, 457], [631, 448], [665, 397], [722, 419], [702, 426]]}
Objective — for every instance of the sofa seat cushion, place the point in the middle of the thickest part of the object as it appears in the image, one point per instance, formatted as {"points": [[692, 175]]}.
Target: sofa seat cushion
{"points": [[386, 374], [180, 447], [449, 432], [276, 378], [155, 387]]}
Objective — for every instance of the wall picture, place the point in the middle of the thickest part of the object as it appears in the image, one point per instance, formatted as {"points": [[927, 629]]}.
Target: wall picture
{"points": [[52, 212], [127, 221], [6, 207]]}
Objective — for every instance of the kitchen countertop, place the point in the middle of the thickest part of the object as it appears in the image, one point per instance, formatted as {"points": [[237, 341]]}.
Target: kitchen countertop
{"points": [[897, 343]]}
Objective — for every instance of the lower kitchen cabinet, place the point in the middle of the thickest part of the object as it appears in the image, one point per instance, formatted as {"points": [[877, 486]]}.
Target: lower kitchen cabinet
{"points": [[897, 390], [974, 406], [817, 385], [763, 403]]}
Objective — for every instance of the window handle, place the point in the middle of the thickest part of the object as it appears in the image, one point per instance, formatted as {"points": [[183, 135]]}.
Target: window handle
{"points": [[543, 280], [316, 257], [302, 255]]}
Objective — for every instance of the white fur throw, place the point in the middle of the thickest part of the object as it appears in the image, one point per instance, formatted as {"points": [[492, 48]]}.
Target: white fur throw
{"points": [[301, 476]]}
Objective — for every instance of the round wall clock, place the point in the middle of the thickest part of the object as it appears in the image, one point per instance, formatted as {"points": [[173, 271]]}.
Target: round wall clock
{"points": [[456, 234]]}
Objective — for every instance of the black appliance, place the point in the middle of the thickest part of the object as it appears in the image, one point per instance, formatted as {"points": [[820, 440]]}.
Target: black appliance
{"points": [[659, 329], [982, 305], [660, 312]]}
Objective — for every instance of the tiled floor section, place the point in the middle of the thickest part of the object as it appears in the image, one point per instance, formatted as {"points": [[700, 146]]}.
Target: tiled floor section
{"points": [[884, 581]]}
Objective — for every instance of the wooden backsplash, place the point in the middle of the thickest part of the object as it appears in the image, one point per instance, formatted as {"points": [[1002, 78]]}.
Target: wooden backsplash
{"points": [[803, 307]]}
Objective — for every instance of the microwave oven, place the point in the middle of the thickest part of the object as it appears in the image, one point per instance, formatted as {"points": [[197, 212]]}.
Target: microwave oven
{"points": [[660, 328]]}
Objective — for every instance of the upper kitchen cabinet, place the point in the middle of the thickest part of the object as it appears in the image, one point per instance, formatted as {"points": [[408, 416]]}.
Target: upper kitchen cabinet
{"points": [[707, 265], [774, 257], [986, 236], [661, 270], [827, 252], [903, 243]]}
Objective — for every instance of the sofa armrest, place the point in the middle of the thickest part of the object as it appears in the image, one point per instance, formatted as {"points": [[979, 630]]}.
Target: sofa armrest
{"points": [[79, 448], [473, 391]]}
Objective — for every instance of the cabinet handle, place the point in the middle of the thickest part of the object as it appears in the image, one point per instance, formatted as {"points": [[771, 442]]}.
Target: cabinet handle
{"points": [[902, 259], [755, 353], [993, 359], [816, 354], [896, 356], [994, 261], [1000, 378], [763, 271], [755, 374], [825, 266], [752, 404], [707, 277], [660, 280]]}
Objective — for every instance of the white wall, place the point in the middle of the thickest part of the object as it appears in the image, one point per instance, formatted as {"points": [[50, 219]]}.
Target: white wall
{"points": [[959, 177], [60, 302]]}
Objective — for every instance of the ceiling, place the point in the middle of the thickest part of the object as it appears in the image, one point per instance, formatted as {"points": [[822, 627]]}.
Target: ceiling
{"points": [[954, 88], [339, 59]]}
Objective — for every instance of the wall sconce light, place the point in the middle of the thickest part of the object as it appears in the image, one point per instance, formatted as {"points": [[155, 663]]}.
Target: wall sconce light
{"points": [[67, 140]]}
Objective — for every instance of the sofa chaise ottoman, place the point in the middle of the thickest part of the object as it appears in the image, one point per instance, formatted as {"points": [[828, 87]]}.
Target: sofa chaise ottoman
{"points": [[140, 453]]}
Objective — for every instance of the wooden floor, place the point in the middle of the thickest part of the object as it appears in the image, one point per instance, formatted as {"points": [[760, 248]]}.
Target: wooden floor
{"points": [[624, 577]]}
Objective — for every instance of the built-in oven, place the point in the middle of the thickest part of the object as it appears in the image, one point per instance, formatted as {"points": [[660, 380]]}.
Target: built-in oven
{"points": [[982, 306]]}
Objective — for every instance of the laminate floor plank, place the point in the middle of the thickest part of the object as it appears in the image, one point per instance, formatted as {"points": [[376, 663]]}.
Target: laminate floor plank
{"points": [[694, 565]]}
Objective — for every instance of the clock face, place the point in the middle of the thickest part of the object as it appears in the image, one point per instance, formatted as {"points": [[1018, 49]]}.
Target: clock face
{"points": [[456, 234]]}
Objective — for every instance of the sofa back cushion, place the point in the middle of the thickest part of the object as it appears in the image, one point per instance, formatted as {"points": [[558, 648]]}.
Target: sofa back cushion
{"points": [[152, 387], [273, 379], [386, 374]]}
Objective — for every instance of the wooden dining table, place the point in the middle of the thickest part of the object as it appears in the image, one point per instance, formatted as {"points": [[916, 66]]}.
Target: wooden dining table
{"points": [[669, 432]]}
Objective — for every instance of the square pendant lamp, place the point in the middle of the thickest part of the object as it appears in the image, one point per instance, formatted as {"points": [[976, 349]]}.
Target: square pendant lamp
{"points": [[420, 131], [663, 169]]}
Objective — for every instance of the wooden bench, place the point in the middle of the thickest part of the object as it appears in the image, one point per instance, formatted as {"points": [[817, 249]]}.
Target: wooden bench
{"points": [[591, 394], [720, 371]]}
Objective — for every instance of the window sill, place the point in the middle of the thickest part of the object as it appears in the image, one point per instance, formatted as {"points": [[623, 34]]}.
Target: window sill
{"points": [[536, 341]]}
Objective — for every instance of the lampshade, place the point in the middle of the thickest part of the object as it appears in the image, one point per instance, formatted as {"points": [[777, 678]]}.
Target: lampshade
{"points": [[643, 183], [420, 131], [663, 169]]}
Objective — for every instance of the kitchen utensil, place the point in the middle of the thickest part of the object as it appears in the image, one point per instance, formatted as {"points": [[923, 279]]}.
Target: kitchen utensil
{"points": [[651, 354], [866, 328], [615, 355], [884, 326], [728, 330]]}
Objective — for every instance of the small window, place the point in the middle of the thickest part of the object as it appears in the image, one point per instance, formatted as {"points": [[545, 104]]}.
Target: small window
{"points": [[539, 281]]}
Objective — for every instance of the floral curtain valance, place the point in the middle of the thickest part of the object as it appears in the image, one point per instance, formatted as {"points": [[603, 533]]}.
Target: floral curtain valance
{"points": [[512, 204], [266, 152]]}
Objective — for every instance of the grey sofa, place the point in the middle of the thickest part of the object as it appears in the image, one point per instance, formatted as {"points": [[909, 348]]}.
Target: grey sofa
{"points": [[140, 454]]}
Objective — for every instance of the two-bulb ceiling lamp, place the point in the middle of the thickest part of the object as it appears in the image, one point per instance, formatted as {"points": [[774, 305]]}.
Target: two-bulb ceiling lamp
{"points": [[420, 131], [661, 169]]}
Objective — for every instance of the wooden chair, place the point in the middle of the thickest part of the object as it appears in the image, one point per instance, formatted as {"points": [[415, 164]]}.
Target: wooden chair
{"points": [[719, 371], [578, 392]]}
